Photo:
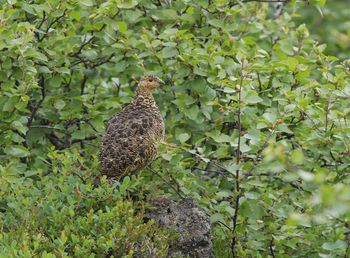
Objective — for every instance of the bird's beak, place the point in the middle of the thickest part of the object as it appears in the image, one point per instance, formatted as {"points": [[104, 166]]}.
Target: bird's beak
{"points": [[161, 81]]}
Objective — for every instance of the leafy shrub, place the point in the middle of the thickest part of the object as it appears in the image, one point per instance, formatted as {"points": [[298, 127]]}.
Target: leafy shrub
{"points": [[60, 215], [256, 121]]}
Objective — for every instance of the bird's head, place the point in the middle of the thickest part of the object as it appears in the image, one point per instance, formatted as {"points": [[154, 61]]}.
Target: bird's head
{"points": [[150, 82]]}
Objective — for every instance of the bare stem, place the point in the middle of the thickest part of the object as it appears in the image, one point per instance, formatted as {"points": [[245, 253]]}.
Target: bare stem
{"points": [[238, 158], [166, 182], [271, 249]]}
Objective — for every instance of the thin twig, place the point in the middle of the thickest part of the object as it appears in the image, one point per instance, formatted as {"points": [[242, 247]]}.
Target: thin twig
{"points": [[82, 85], [82, 46], [327, 112], [102, 60], [271, 249], [266, 1], [213, 171], [292, 184], [233, 3], [90, 138], [37, 35], [259, 81], [238, 158], [51, 24], [223, 224], [311, 120], [38, 105], [347, 239], [165, 181], [46, 127], [194, 153]]}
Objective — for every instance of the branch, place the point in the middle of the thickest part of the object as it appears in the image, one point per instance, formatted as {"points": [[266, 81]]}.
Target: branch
{"points": [[213, 171], [292, 184], [259, 81], [238, 158], [104, 60], [82, 85], [165, 181], [91, 63], [266, 1], [55, 141], [347, 238], [76, 54], [39, 26], [36, 108], [271, 248], [46, 127], [327, 113], [311, 120], [223, 224], [90, 138], [231, 4], [51, 24], [194, 153], [63, 144]]}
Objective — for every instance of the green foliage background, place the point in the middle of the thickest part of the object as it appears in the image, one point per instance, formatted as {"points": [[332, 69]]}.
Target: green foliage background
{"points": [[256, 113]]}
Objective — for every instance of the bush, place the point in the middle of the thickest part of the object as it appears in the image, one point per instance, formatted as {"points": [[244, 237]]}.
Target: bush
{"points": [[256, 122], [60, 215]]}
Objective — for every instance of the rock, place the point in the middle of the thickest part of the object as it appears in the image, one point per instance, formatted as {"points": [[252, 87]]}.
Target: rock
{"points": [[190, 222]]}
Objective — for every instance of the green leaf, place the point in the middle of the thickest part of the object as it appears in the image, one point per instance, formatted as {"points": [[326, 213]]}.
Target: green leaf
{"points": [[286, 46], [216, 23], [19, 127], [36, 55], [331, 246], [322, 2], [87, 3], [183, 137], [79, 134], [63, 70], [291, 63], [192, 112], [217, 217], [168, 52], [199, 71], [296, 219], [126, 4], [123, 27], [166, 14], [270, 117], [297, 156], [251, 97], [44, 69], [59, 104], [17, 151], [218, 137], [223, 194], [284, 128], [199, 86], [230, 210]]}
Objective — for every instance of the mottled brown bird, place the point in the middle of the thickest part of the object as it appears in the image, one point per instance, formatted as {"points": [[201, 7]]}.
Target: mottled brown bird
{"points": [[132, 135]]}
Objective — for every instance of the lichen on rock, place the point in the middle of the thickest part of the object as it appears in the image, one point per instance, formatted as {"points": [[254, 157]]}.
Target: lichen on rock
{"points": [[190, 222]]}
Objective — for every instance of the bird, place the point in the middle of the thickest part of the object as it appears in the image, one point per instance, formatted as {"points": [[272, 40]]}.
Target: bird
{"points": [[132, 135]]}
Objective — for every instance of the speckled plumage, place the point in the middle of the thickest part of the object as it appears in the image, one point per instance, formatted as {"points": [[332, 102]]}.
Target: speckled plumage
{"points": [[131, 138]]}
